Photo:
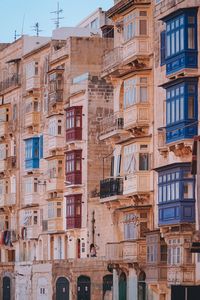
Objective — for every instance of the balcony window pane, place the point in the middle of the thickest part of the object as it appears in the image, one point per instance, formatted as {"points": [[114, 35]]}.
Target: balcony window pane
{"points": [[177, 110], [168, 113], [168, 45], [191, 107], [143, 27], [191, 38], [143, 161], [173, 44], [177, 190], [182, 39], [143, 94], [172, 112], [181, 108], [164, 193], [188, 190]]}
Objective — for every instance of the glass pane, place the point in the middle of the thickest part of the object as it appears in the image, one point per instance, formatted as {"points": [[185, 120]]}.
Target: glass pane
{"points": [[191, 38], [168, 193], [188, 190], [177, 110], [173, 43], [181, 108], [168, 113], [191, 107], [143, 94], [143, 161], [168, 45], [177, 41], [182, 39], [172, 111], [177, 190], [143, 27]]}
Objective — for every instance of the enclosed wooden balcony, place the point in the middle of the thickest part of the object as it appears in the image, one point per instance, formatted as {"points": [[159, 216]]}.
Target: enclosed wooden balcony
{"points": [[112, 59], [59, 52], [110, 187], [32, 232], [31, 199], [136, 47], [55, 142], [3, 165], [32, 83], [134, 251], [55, 224], [137, 115], [10, 199], [112, 126], [139, 182], [3, 128], [32, 119], [53, 184]]}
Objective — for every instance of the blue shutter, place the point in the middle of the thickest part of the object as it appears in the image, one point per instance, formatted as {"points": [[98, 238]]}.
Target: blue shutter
{"points": [[41, 146], [162, 47]]}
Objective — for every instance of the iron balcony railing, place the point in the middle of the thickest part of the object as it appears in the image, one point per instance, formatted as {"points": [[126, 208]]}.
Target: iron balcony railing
{"points": [[111, 187], [10, 82]]}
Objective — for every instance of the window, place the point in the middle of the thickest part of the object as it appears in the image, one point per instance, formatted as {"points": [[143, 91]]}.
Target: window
{"points": [[181, 109], [143, 161], [135, 91], [55, 82], [73, 166], [95, 24], [181, 40], [135, 24], [55, 127], [152, 254], [31, 69], [131, 230], [174, 252], [136, 159], [54, 210]]}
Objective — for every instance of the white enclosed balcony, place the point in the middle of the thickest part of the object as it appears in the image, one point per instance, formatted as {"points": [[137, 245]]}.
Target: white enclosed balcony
{"points": [[137, 115], [126, 250], [3, 128], [55, 224], [139, 182], [32, 232], [10, 199], [31, 199], [3, 165], [54, 184], [135, 47], [55, 142], [32, 83], [32, 119]]}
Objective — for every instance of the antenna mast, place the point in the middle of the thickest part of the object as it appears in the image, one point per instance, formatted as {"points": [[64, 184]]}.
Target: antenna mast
{"points": [[16, 35], [36, 28], [58, 17]]}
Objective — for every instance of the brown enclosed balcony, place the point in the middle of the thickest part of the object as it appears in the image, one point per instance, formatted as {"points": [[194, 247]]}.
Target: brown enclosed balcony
{"points": [[55, 97], [134, 251], [111, 126], [110, 187], [73, 211], [11, 162], [58, 52], [3, 128], [10, 83], [3, 165], [74, 167]]}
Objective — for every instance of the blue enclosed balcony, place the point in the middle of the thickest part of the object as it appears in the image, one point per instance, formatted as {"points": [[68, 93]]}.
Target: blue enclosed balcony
{"points": [[179, 47], [33, 152], [176, 194], [181, 109]]}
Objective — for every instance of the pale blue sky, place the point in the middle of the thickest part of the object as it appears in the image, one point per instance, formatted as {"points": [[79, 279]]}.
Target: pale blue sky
{"points": [[13, 12]]}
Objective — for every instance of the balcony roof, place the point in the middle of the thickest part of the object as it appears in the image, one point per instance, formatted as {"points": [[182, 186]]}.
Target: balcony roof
{"points": [[172, 166], [124, 5]]}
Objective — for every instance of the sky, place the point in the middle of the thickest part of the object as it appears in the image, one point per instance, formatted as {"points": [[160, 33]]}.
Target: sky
{"points": [[21, 15]]}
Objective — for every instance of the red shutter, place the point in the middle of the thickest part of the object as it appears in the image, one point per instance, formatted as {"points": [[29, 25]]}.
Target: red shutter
{"points": [[74, 133]]}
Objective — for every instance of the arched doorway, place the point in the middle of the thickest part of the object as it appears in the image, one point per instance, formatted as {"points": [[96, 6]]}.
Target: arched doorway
{"points": [[122, 286], [142, 286], [62, 289], [6, 288], [83, 288], [107, 286]]}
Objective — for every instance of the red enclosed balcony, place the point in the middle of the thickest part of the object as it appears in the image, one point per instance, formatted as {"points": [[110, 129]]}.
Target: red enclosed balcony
{"points": [[73, 213], [74, 123], [74, 167]]}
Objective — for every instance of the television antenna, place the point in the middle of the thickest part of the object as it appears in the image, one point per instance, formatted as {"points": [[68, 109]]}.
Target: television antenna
{"points": [[16, 35], [57, 12], [36, 28]]}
